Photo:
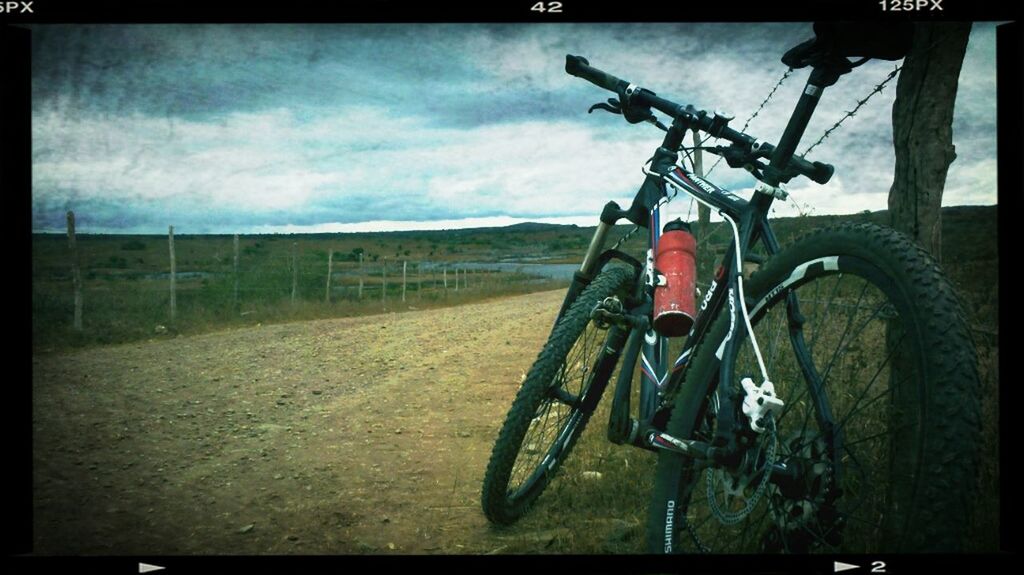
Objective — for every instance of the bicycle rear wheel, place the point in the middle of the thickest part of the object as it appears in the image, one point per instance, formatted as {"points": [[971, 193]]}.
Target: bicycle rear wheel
{"points": [[866, 343], [547, 415]]}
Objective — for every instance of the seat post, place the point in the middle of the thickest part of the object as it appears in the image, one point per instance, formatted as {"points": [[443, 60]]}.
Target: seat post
{"points": [[824, 74]]}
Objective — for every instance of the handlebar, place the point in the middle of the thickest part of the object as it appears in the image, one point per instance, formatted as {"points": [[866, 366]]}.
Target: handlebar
{"points": [[635, 96], [579, 66]]}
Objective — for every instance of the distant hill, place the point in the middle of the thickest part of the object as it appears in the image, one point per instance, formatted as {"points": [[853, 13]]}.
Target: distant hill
{"points": [[533, 227]]}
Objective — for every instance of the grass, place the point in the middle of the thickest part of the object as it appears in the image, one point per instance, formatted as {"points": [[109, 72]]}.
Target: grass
{"points": [[126, 298], [126, 287]]}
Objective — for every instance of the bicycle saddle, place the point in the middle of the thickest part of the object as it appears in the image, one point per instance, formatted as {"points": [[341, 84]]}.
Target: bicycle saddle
{"points": [[833, 40]]}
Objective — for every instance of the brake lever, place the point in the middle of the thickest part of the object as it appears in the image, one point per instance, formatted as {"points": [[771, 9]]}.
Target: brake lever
{"points": [[615, 107], [655, 121], [612, 106], [736, 158]]}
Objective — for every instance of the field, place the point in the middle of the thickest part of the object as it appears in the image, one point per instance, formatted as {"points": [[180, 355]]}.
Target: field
{"points": [[126, 279], [260, 434]]}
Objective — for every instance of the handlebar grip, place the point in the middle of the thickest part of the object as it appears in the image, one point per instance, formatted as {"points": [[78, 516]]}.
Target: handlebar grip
{"points": [[821, 173], [579, 66]]}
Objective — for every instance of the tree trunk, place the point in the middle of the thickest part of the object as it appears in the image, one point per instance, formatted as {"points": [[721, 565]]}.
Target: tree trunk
{"points": [[922, 121], [922, 118]]}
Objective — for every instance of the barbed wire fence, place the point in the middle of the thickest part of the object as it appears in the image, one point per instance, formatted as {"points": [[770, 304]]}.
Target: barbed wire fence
{"points": [[746, 123], [851, 113], [142, 284]]}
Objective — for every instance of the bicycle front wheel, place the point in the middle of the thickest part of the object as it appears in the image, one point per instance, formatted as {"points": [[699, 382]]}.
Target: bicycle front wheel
{"points": [[547, 415], [875, 449]]}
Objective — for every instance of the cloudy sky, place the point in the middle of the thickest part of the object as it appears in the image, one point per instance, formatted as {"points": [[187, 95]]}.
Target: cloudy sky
{"points": [[296, 128]]}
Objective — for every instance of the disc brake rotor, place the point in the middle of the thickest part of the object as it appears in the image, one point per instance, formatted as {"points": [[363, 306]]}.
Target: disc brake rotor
{"points": [[803, 512]]}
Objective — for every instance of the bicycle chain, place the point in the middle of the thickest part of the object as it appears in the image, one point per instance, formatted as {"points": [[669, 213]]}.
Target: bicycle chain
{"points": [[733, 517]]}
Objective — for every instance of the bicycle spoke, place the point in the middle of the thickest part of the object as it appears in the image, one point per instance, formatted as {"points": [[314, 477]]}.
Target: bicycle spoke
{"points": [[848, 444], [828, 308], [564, 397], [839, 346]]}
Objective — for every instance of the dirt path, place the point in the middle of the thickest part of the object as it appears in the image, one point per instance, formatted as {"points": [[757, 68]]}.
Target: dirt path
{"points": [[362, 435]]}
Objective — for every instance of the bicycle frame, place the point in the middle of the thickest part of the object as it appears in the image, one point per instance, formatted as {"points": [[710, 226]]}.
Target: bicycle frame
{"points": [[749, 222], [659, 374]]}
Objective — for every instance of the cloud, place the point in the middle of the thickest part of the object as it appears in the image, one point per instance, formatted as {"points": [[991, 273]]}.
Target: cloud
{"points": [[230, 127]]}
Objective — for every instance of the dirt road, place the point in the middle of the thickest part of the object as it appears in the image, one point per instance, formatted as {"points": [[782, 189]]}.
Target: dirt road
{"points": [[361, 435]]}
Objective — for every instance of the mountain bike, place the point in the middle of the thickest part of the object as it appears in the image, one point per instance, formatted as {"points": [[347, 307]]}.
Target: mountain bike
{"points": [[827, 401]]}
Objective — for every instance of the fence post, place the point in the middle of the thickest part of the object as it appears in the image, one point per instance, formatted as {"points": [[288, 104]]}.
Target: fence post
{"points": [[76, 272], [419, 280], [444, 276], [234, 296], [360, 296], [295, 270], [174, 294], [384, 284], [456, 279], [330, 262], [403, 280]]}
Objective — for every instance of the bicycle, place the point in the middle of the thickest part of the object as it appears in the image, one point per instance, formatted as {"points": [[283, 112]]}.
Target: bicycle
{"points": [[861, 435]]}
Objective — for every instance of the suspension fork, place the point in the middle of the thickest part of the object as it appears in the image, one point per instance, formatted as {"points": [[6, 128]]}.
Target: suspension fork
{"points": [[592, 258]]}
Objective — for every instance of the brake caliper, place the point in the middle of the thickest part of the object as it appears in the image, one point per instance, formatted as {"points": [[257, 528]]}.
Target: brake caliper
{"points": [[759, 403]]}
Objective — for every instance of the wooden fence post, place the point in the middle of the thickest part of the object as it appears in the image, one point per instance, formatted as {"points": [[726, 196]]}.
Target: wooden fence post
{"points": [[174, 293], [330, 262], [456, 279], [384, 284], [444, 276], [76, 272], [403, 280], [234, 297], [360, 295], [295, 270], [419, 280]]}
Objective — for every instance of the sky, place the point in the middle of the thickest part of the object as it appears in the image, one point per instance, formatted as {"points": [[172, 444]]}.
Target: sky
{"points": [[333, 128]]}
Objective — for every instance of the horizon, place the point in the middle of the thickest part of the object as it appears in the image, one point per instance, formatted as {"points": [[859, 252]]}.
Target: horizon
{"points": [[178, 232]]}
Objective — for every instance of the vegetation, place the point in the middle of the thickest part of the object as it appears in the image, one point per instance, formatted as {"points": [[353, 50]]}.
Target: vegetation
{"points": [[126, 287], [126, 298], [126, 278]]}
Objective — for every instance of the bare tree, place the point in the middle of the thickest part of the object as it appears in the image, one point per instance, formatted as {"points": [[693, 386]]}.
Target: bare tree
{"points": [[922, 121]]}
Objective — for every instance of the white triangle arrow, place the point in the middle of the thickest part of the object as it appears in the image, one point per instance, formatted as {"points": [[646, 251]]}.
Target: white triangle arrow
{"points": [[840, 566], [146, 567]]}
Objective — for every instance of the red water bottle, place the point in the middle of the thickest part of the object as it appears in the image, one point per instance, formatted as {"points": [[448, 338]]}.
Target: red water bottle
{"points": [[674, 302]]}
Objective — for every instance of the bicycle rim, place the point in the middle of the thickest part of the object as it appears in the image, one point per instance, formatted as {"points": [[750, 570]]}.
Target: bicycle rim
{"points": [[841, 348], [557, 419]]}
